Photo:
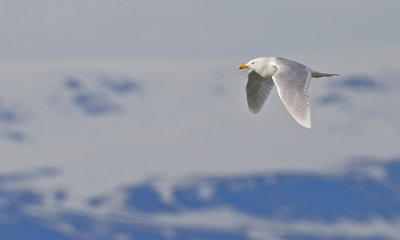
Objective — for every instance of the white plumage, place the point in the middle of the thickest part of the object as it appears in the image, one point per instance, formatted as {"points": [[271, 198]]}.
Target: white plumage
{"points": [[292, 80]]}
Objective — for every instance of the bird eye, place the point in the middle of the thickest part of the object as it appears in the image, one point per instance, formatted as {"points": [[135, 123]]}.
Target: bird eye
{"points": [[252, 62]]}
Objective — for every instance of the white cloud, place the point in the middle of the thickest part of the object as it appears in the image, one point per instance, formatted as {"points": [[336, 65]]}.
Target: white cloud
{"points": [[178, 130], [205, 191], [228, 220], [219, 219]]}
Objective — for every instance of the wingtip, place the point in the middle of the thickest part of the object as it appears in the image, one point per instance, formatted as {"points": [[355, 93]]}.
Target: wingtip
{"points": [[254, 111], [306, 124]]}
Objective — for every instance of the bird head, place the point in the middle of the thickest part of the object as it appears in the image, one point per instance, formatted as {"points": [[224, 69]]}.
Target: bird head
{"points": [[252, 64]]}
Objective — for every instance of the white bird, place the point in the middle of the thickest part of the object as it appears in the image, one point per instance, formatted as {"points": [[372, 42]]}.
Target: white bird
{"points": [[292, 80]]}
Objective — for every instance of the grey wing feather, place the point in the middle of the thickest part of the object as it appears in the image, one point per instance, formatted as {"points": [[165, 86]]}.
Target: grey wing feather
{"points": [[257, 90], [292, 80]]}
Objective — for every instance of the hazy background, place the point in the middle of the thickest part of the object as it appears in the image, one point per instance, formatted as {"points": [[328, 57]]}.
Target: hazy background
{"points": [[128, 120]]}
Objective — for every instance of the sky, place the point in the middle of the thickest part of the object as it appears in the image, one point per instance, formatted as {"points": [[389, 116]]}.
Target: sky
{"points": [[128, 120], [205, 29]]}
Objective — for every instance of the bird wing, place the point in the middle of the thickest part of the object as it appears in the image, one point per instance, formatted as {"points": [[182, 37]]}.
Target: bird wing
{"points": [[292, 80], [257, 90]]}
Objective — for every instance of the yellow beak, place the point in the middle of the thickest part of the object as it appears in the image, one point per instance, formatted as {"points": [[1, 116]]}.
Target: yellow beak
{"points": [[243, 66]]}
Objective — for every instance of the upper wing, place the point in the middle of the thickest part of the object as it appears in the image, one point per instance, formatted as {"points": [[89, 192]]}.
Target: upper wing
{"points": [[257, 90], [292, 80]]}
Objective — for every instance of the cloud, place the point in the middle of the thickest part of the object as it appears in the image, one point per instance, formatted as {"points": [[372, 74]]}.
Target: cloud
{"points": [[8, 115], [91, 102], [24, 176], [205, 192], [228, 220], [145, 198], [359, 83], [362, 101], [121, 86], [15, 135], [12, 119], [332, 99], [100, 95], [73, 83], [94, 104], [182, 149], [353, 204], [341, 91]]}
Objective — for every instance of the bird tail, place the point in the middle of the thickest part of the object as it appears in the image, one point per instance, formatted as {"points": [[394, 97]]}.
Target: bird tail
{"points": [[316, 74]]}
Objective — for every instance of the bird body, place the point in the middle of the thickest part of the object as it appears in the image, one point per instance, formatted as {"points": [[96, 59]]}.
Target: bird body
{"points": [[292, 80]]}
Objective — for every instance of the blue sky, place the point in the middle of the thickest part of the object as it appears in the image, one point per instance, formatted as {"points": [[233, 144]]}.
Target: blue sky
{"points": [[128, 120]]}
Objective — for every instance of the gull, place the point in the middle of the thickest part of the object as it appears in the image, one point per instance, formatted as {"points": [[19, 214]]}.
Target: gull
{"points": [[292, 80]]}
